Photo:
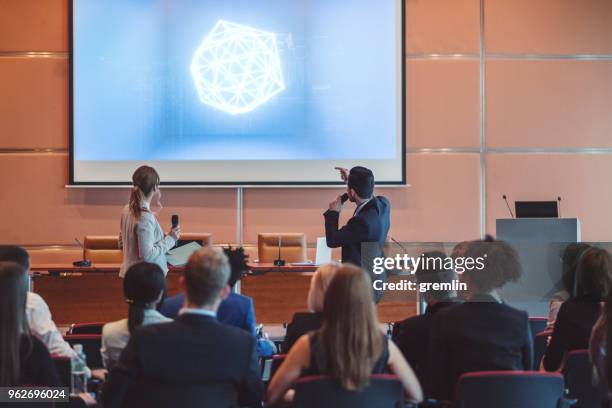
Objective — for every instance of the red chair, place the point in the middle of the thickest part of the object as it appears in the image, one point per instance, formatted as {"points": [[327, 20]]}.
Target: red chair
{"points": [[383, 391], [64, 369], [277, 360], [581, 386], [510, 389], [91, 347], [86, 328], [540, 342], [537, 324]]}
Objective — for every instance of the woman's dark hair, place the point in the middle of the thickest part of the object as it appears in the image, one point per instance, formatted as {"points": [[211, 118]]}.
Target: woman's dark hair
{"points": [[238, 264], [142, 285], [606, 313], [501, 264], [570, 257], [350, 337], [361, 180], [13, 322], [594, 273], [145, 179]]}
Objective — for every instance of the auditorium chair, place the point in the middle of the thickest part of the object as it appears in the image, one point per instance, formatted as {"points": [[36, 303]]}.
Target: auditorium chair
{"points": [[203, 239], [540, 342], [580, 382], [293, 247], [91, 347], [537, 325], [86, 328], [510, 389], [64, 369], [102, 249], [383, 391]]}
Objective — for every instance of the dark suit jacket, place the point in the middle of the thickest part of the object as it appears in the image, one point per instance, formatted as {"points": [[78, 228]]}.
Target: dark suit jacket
{"points": [[302, 323], [412, 337], [476, 336], [193, 361], [572, 329], [236, 310]]}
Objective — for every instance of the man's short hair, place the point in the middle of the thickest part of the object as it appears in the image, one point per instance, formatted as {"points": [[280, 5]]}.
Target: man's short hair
{"points": [[435, 269], [501, 264], [361, 180], [206, 274], [15, 254]]}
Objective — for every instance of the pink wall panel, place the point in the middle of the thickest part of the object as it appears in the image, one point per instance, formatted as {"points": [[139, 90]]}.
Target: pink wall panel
{"points": [[581, 180], [549, 26], [443, 103], [549, 103], [39, 210], [34, 25], [34, 86], [419, 213], [442, 26]]}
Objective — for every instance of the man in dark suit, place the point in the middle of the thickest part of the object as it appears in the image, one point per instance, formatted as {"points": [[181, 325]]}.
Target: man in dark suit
{"points": [[369, 224], [195, 360], [483, 333]]}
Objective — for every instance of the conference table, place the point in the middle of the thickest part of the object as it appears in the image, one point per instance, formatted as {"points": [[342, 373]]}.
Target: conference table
{"points": [[95, 293]]}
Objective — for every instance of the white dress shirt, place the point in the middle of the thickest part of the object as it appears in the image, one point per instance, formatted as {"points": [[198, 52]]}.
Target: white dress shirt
{"points": [[143, 240], [41, 323], [116, 335]]}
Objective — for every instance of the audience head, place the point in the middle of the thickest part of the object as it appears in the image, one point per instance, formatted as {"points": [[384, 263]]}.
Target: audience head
{"points": [[459, 249], [570, 257], [594, 273], [360, 183], [145, 182], [143, 287], [238, 264], [18, 255], [434, 269], [350, 337], [13, 322], [319, 284], [205, 278], [501, 265]]}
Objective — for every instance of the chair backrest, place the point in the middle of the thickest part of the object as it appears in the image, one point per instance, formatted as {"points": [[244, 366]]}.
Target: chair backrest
{"points": [[64, 369], [509, 389], [86, 328], [91, 347], [383, 391], [540, 342], [201, 238], [277, 360], [102, 249], [537, 324], [153, 394], [580, 382], [293, 247]]}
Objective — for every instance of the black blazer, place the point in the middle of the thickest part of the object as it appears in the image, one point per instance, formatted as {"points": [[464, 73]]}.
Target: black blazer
{"points": [[474, 336], [371, 224], [572, 329], [192, 361], [412, 337], [302, 323]]}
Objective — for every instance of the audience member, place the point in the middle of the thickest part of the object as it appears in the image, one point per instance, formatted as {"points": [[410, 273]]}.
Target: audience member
{"points": [[599, 344], [303, 322], [412, 335], [143, 286], [193, 360], [569, 258], [24, 359], [483, 333], [350, 345], [578, 315], [37, 312]]}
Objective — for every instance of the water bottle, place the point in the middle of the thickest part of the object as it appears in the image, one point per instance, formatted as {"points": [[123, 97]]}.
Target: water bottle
{"points": [[79, 371]]}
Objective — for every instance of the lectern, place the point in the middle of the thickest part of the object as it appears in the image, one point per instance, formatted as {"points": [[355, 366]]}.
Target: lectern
{"points": [[540, 243]]}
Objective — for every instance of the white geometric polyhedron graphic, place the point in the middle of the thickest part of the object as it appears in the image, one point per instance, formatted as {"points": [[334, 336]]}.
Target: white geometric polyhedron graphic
{"points": [[237, 68]]}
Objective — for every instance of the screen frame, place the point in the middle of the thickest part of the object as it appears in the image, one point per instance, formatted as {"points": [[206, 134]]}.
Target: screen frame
{"points": [[210, 184]]}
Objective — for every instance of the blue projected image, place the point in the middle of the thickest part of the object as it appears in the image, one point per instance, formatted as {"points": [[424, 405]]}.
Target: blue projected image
{"points": [[236, 80]]}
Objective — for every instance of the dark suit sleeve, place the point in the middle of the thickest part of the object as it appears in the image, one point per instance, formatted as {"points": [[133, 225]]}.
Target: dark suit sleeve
{"points": [[122, 376], [528, 347], [356, 230], [251, 389], [438, 385], [558, 342]]}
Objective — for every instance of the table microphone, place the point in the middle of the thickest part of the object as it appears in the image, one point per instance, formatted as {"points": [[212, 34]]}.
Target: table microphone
{"points": [[508, 205], [84, 262], [279, 261], [559, 206]]}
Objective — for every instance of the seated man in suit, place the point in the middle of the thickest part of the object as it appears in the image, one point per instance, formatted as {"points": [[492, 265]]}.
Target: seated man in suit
{"points": [[413, 334], [483, 333], [369, 224], [194, 360]]}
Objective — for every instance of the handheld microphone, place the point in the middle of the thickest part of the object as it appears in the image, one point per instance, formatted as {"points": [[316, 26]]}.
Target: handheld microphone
{"points": [[175, 221], [508, 205], [559, 206], [84, 262], [279, 261], [344, 198]]}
